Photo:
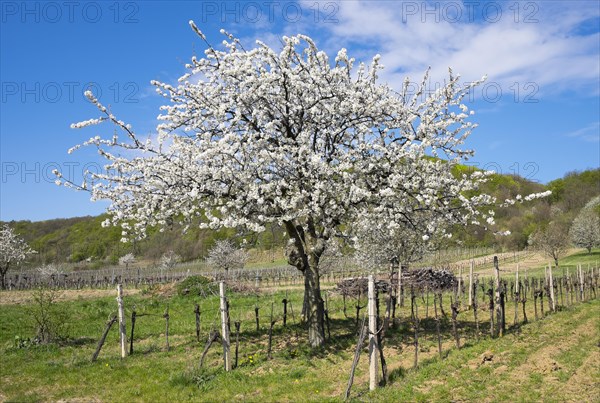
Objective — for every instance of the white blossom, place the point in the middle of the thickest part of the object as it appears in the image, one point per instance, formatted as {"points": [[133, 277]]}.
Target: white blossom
{"points": [[290, 137], [50, 271], [585, 230], [168, 260], [224, 255], [127, 259]]}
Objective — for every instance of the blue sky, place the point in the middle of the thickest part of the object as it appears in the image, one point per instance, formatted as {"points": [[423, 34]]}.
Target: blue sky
{"points": [[538, 112]]}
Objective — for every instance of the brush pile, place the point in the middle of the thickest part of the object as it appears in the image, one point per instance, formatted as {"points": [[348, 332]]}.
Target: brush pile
{"points": [[428, 278], [355, 286]]}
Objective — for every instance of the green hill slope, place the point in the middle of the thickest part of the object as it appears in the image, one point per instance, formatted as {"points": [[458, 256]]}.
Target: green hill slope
{"points": [[80, 238]]}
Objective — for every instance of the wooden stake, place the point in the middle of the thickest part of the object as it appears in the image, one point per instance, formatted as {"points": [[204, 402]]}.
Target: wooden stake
{"points": [[212, 337], [490, 293], [373, 367], [122, 329], [454, 307], [225, 328], [197, 313], [415, 316], [270, 334], [551, 285], [166, 316], [237, 341], [359, 345], [133, 315], [400, 291], [475, 309], [459, 295], [499, 299], [257, 318], [437, 325], [285, 301], [517, 280], [471, 283], [582, 296], [109, 324]]}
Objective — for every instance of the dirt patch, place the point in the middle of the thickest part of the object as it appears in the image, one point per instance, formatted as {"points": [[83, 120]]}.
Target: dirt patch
{"points": [[26, 297]]}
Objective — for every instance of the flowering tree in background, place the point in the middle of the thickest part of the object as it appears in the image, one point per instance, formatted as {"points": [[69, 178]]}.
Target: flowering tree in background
{"points": [[258, 136], [552, 240], [168, 260], [51, 271], [13, 251], [585, 231], [224, 255], [378, 246], [126, 260]]}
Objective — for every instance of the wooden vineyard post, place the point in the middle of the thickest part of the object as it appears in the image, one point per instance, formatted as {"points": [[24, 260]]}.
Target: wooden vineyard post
{"points": [[459, 295], [358, 308], [399, 291], [427, 301], [498, 297], [257, 318], [551, 286], [373, 367], [225, 328], [285, 302], [568, 288], [516, 296], [109, 324], [490, 294], [582, 296], [475, 308], [523, 299], [166, 316], [361, 340], [133, 316], [122, 329], [454, 307], [270, 343], [213, 335], [593, 283], [326, 313], [471, 283], [437, 325], [415, 317], [237, 341], [197, 313]]}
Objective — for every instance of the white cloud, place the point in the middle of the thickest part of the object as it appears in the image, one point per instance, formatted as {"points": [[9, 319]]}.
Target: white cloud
{"points": [[552, 52], [589, 133]]}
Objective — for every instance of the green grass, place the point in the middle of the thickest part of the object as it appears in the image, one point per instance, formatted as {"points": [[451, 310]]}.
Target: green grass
{"points": [[296, 373], [583, 258], [569, 262], [537, 362]]}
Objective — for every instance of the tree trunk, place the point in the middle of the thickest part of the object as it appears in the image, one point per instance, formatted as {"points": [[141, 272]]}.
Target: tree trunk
{"points": [[315, 307], [304, 254], [3, 271]]}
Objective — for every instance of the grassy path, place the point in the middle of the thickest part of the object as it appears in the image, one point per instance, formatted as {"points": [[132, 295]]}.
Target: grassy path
{"points": [[552, 360]]}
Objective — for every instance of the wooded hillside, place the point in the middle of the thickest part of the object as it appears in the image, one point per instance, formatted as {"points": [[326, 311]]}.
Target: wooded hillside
{"points": [[83, 238]]}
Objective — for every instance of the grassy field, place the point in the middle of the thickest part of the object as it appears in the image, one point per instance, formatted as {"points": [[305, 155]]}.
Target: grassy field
{"points": [[556, 358]]}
